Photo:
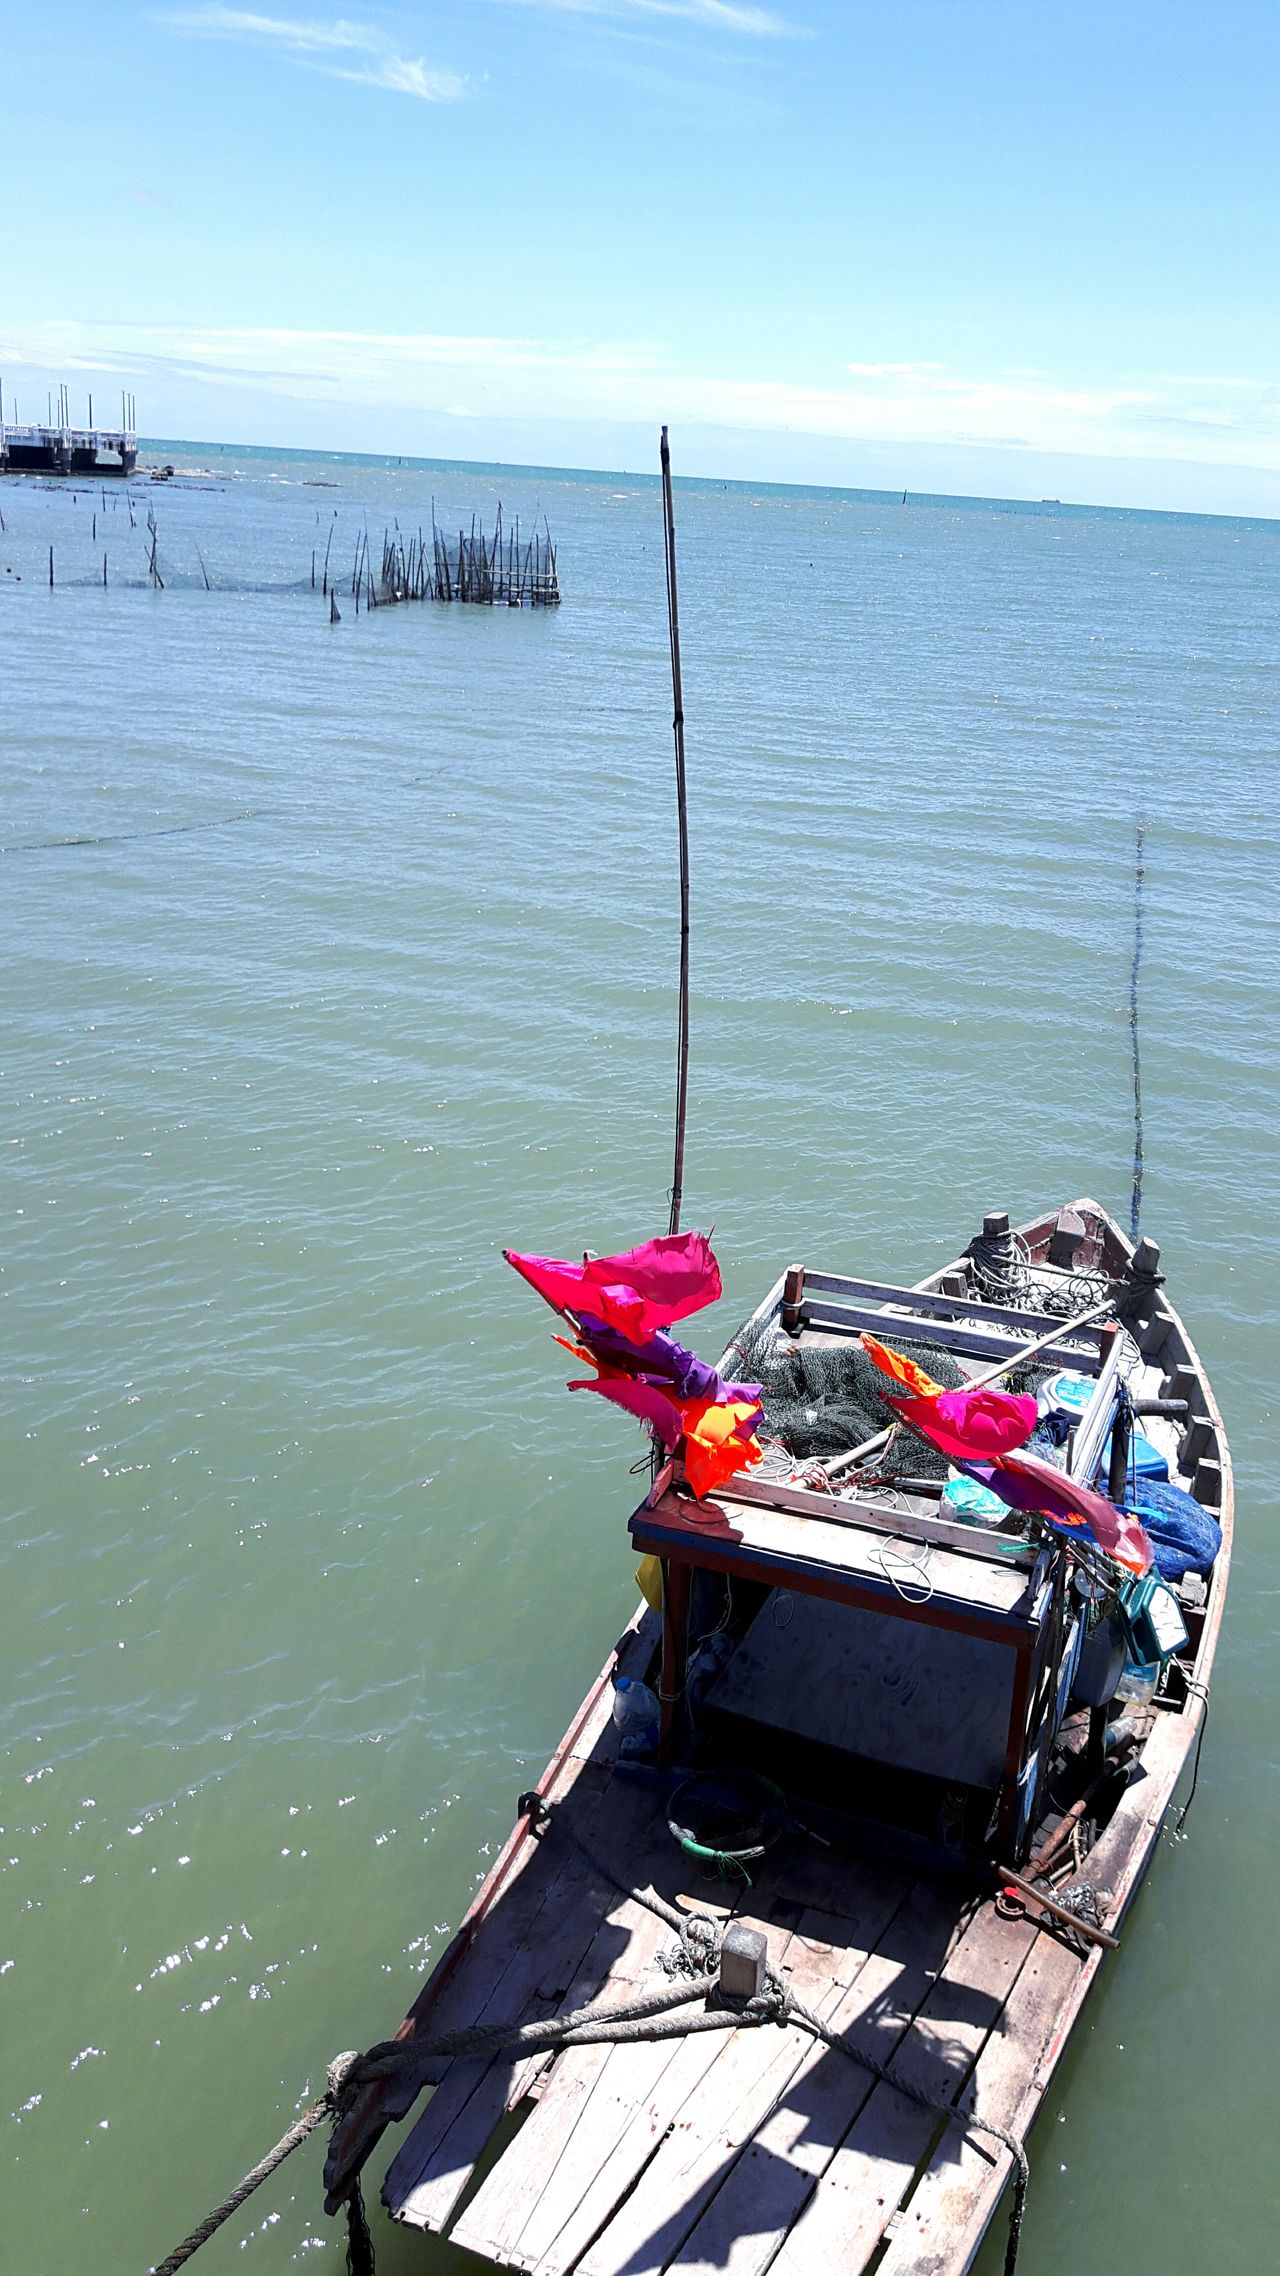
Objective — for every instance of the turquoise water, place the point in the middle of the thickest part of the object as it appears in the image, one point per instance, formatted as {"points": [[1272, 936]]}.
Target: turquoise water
{"points": [[359, 964]]}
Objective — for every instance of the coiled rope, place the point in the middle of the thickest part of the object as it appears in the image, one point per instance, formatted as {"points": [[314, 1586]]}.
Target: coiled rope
{"points": [[692, 1970]]}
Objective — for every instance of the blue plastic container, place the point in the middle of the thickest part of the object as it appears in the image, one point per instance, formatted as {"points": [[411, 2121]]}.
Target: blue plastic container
{"points": [[1067, 1395], [1145, 1460]]}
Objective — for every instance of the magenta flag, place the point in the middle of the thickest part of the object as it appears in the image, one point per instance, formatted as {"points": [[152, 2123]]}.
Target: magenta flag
{"points": [[638, 1292], [643, 1400], [971, 1424]]}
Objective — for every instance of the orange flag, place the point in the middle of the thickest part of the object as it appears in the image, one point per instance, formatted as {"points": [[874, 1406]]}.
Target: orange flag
{"points": [[902, 1369]]}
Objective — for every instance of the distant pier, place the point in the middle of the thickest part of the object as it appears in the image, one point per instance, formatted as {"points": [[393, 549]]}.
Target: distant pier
{"points": [[54, 446]]}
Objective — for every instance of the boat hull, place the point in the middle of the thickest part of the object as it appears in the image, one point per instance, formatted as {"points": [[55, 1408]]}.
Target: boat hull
{"points": [[759, 2150]]}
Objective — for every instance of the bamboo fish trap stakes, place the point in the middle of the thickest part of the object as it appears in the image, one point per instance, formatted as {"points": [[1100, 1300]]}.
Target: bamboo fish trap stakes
{"points": [[493, 571]]}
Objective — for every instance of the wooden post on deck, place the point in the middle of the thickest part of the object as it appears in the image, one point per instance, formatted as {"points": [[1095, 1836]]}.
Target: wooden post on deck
{"points": [[793, 1300], [677, 1586]]}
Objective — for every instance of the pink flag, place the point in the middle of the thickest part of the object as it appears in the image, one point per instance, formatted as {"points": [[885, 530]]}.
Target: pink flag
{"points": [[971, 1425], [643, 1400], [1027, 1483], [638, 1292], [1068, 1505]]}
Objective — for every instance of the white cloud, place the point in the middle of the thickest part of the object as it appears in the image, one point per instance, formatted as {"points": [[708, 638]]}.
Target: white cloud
{"points": [[374, 61], [930, 401], [1219, 421], [893, 371], [712, 15]]}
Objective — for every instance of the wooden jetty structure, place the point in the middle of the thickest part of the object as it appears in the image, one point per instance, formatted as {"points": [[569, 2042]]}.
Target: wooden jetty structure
{"points": [[969, 1772], [58, 447]]}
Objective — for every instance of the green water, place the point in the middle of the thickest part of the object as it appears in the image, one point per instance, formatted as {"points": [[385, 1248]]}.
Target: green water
{"points": [[362, 966]]}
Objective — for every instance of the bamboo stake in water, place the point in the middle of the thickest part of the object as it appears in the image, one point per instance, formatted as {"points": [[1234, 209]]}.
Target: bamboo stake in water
{"points": [[682, 811]]}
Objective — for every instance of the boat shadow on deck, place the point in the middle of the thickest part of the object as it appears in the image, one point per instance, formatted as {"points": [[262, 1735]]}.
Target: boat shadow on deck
{"points": [[705, 2149]]}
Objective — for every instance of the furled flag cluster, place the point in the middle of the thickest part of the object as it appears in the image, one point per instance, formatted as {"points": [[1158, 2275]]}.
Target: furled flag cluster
{"points": [[981, 1431], [620, 1309]]}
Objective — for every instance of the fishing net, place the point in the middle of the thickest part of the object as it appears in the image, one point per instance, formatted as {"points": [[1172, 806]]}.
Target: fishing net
{"points": [[821, 1400], [824, 1399]]}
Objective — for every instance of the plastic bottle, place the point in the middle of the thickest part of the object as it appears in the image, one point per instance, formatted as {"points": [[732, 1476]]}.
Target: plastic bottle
{"points": [[713, 1653], [635, 1717], [1138, 1682]]}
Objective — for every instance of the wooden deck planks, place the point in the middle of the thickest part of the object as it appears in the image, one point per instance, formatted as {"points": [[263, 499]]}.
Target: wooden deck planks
{"points": [[875, 2166], [733, 2194], [559, 2152], [749, 2070], [643, 2089], [691, 2134], [762, 2196], [493, 2221], [529, 1979], [859, 1893], [968, 2172], [625, 2120]]}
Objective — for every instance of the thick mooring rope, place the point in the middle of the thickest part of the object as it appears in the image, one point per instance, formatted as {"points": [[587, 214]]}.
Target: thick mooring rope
{"points": [[339, 2071], [649, 2017], [693, 1972]]}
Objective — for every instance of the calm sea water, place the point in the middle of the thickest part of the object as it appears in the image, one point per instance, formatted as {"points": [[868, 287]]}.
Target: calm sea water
{"points": [[337, 957]]}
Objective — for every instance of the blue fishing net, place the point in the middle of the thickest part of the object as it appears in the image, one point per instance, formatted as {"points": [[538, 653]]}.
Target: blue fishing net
{"points": [[1185, 1537]]}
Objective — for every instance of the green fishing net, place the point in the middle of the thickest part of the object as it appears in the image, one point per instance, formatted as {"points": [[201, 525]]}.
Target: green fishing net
{"points": [[824, 1399]]}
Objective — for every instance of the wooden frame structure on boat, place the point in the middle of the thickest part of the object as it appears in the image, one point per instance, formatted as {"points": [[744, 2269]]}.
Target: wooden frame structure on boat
{"points": [[818, 1544], [762, 1545]]}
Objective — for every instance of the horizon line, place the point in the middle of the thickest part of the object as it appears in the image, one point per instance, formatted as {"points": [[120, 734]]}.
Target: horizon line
{"points": [[710, 481]]}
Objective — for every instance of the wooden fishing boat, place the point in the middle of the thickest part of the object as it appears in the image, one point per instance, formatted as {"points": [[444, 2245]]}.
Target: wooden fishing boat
{"points": [[913, 1683]]}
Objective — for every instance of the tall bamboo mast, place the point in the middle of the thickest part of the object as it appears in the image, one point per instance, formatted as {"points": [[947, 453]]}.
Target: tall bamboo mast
{"points": [[682, 811]]}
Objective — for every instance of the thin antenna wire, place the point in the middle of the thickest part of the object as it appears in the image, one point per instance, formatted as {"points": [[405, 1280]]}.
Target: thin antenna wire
{"points": [[1139, 881], [682, 810]]}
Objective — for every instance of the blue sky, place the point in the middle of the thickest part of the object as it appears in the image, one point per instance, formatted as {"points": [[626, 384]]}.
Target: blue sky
{"points": [[1016, 246]]}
